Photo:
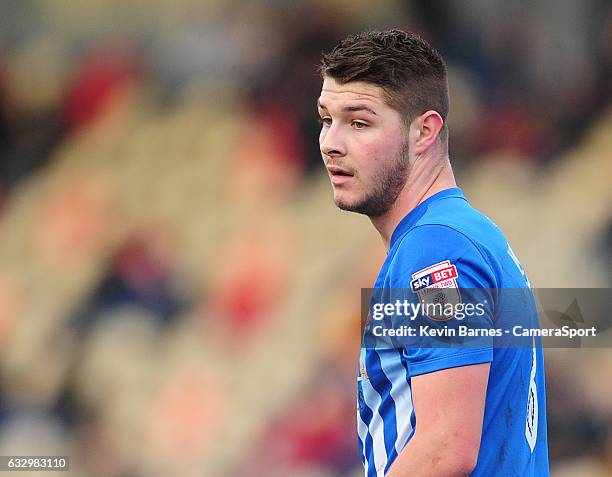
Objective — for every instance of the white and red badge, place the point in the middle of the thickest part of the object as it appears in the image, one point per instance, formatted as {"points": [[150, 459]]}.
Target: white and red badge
{"points": [[437, 284]]}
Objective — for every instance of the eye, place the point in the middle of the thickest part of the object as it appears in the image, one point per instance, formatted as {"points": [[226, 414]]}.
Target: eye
{"points": [[326, 121], [359, 125]]}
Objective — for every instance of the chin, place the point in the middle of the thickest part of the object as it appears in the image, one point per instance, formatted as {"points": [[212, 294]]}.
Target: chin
{"points": [[342, 201], [364, 205], [345, 203]]}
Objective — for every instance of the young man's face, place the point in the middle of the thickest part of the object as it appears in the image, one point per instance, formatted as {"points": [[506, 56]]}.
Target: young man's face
{"points": [[364, 146]]}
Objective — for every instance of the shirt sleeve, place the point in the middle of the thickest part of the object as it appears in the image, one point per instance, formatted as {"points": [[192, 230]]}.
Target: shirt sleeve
{"points": [[435, 264]]}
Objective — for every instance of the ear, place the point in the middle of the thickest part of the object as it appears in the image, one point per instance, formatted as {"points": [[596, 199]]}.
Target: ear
{"points": [[424, 130]]}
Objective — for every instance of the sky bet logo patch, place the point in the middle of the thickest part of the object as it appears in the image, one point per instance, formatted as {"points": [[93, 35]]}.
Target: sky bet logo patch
{"points": [[437, 285], [440, 275]]}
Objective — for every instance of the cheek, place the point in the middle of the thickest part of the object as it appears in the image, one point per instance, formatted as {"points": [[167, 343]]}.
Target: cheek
{"points": [[384, 139], [391, 143], [371, 172], [375, 156], [377, 149]]}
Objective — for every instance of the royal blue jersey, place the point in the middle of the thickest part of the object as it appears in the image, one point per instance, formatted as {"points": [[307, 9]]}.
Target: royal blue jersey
{"points": [[445, 240]]}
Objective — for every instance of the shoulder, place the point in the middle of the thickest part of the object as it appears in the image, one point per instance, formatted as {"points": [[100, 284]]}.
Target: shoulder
{"points": [[441, 252]]}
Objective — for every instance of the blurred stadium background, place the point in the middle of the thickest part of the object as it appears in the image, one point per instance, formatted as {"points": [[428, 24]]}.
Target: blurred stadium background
{"points": [[178, 294]]}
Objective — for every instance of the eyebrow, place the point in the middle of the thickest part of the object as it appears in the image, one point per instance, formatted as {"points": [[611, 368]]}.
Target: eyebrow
{"points": [[351, 109]]}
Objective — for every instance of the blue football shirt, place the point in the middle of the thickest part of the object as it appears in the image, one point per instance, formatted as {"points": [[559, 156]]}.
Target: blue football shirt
{"points": [[445, 239]]}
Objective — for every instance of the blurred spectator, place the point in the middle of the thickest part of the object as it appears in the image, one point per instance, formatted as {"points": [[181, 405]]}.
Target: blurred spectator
{"points": [[98, 82], [141, 275], [311, 432], [250, 280]]}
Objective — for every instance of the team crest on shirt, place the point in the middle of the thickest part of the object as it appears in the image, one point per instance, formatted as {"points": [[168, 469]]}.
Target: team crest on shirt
{"points": [[436, 287]]}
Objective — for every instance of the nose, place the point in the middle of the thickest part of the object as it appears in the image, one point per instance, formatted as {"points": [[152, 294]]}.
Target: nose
{"points": [[331, 142]]}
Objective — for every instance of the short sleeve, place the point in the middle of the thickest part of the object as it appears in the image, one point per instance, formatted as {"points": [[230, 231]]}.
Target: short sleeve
{"points": [[443, 270]]}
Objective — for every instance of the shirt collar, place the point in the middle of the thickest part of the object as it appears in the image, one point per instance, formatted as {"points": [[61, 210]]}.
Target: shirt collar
{"points": [[415, 214]]}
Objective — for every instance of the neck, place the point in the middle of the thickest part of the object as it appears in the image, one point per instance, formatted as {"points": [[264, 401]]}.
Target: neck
{"points": [[423, 181]]}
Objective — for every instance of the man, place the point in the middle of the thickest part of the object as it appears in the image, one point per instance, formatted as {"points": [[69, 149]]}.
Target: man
{"points": [[425, 410]]}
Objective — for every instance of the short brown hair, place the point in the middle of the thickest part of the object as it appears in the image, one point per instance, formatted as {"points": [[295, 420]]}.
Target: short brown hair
{"points": [[411, 72]]}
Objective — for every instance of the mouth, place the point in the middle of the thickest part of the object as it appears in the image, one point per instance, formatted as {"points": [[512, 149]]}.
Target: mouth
{"points": [[339, 175]]}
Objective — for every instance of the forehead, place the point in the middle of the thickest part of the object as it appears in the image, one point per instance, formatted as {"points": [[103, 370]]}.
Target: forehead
{"points": [[336, 93]]}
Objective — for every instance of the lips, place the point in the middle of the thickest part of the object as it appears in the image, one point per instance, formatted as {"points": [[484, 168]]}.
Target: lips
{"points": [[339, 175], [336, 171]]}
